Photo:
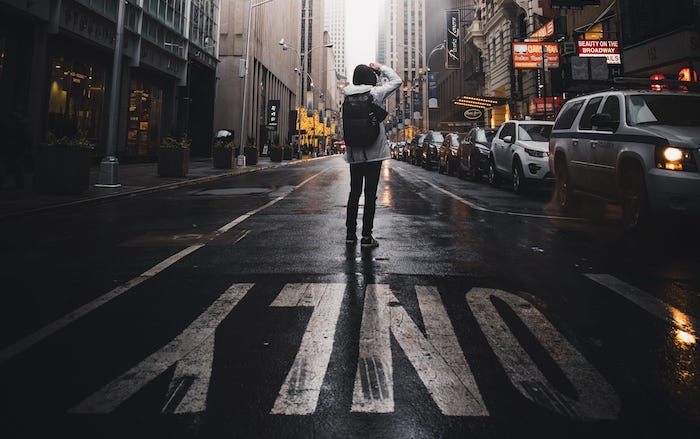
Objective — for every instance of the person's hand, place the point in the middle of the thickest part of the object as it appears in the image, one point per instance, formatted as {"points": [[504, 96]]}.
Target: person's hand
{"points": [[375, 66]]}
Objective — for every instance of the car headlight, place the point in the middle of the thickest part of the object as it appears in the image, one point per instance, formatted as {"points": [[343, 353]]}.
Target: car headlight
{"points": [[535, 153], [673, 158]]}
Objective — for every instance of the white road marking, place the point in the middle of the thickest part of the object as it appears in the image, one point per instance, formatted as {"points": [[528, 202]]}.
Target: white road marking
{"points": [[300, 391], [649, 303], [53, 327], [437, 357], [48, 330], [374, 382], [596, 397], [194, 346], [475, 206]]}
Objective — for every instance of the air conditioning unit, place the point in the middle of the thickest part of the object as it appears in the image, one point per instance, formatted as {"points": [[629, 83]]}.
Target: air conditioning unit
{"points": [[567, 48]]}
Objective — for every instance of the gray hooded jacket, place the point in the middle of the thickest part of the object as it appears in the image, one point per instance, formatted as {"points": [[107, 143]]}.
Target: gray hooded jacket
{"points": [[380, 149]]}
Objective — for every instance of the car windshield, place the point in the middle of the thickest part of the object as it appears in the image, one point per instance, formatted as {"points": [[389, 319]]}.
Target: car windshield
{"points": [[534, 132], [677, 110], [437, 138], [485, 136]]}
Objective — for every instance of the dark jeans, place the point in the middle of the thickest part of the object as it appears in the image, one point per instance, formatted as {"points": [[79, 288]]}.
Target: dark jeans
{"points": [[369, 173]]}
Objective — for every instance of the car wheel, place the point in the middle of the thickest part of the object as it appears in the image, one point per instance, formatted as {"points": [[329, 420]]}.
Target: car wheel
{"points": [[519, 183], [494, 178], [563, 188], [636, 214]]}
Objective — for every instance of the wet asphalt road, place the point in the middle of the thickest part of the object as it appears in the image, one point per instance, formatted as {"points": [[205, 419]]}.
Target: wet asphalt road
{"points": [[235, 309]]}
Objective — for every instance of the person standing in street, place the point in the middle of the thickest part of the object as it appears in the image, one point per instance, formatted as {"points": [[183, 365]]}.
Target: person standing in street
{"points": [[366, 165]]}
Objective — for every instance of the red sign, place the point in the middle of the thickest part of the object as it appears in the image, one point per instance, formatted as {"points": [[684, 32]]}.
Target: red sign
{"points": [[610, 49], [545, 31], [528, 55], [554, 104]]}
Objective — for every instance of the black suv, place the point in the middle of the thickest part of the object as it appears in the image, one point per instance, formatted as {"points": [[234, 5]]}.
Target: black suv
{"points": [[431, 146], [473, 153]]}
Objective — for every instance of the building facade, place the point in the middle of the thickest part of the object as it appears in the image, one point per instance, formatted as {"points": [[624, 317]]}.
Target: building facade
{"points": [[56, 63], [335, 25]]}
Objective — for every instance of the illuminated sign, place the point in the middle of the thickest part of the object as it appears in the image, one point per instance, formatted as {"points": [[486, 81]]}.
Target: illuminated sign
{"points": [[610, 49], [473, 113], [544, 32], [529, 55], [273, 107], [452, 49]]}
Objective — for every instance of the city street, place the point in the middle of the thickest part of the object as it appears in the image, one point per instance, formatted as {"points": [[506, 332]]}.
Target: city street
{"points": [[234, 308]]}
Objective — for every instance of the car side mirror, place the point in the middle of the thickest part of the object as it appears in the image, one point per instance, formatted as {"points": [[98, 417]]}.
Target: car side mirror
{"points": [[508, 139], [604, 120]]}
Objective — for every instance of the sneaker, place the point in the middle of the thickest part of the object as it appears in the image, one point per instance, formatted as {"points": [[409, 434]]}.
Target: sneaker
{"points": [[350, 238], [368, 241]]}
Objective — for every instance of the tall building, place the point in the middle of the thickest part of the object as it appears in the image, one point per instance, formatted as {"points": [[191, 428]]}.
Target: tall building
{"points": [[335, 25], [403, 40], [56, 62], [271, 74]]}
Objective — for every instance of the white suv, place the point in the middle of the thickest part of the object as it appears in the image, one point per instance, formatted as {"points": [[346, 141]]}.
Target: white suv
{"points": [[519, 153], [637, 147]]}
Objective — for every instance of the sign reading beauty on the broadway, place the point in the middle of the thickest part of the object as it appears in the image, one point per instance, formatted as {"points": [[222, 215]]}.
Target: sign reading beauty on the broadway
{"points": [[610, 49], [528, 55], [452, 49]]}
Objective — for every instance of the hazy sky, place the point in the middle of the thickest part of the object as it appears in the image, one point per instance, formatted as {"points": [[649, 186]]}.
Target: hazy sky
{"points": [[360, 32]]}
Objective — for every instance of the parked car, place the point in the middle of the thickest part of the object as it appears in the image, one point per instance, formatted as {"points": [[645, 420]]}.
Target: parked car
{"points": [[429, 151], [447, 154], [638, 148], [415, 149], [401, 150], [474, 151], [519, 153]]}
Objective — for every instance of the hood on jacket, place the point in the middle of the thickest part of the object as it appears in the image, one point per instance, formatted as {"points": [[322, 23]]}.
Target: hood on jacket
{"points": [[356, 89]]}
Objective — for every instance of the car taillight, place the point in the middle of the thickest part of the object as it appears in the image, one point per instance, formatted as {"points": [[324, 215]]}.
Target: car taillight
{"points": [[673, 158]]}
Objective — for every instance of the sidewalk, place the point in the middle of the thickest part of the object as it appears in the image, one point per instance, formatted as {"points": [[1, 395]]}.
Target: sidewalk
{"points": [[134, 179]]}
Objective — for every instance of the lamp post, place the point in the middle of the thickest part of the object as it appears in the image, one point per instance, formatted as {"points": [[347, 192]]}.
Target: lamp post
{"points": [[241, 156], [109, 166], [302, 72]]}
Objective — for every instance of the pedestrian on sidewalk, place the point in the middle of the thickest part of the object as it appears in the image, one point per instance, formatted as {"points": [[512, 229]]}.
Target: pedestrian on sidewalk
{"points": [[366, 165]]}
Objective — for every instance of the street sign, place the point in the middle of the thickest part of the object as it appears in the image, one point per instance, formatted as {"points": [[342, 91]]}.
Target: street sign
{"points": [[528, 55]]}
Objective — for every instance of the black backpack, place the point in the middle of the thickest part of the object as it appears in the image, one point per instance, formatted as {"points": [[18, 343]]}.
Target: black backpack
{"points": [[361, 119]]}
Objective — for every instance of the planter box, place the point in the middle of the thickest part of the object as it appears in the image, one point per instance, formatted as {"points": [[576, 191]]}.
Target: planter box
{"points": [[276, 154], [62, 170], [251, 155], [287, 154], [173, 162], [223, 158]]}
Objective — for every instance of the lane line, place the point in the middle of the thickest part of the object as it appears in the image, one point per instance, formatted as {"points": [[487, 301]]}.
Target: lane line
{"points": [[479, 208], [656, 307], [197, 338], [51, 328]]}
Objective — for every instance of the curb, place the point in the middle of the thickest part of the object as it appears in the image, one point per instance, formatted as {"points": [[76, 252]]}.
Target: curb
{"points": [[151, 189]]}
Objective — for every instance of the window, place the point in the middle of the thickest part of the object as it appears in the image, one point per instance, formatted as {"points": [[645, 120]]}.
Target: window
{"points": [[534, 132], [567, 116], [508, 130], [591, 109], [612, 107]]}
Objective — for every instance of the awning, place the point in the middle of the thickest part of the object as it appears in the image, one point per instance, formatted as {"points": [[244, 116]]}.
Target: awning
{"points": [[479, 101]]}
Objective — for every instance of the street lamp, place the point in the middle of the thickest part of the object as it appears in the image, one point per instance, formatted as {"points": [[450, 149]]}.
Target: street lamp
{"points": [[241, 156], [302, 72]]}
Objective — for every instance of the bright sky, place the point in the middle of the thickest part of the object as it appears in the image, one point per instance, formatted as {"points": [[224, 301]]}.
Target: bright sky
{"points": [[360, 32]]}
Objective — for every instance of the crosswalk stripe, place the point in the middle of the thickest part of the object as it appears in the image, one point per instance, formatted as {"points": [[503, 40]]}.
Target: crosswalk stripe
{"points": [[649, 303], [196, 339], [300, 391], [595, 399]]}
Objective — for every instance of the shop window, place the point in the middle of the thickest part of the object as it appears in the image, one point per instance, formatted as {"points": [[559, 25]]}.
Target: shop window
{"points": [[76, 98], [145, 106]]}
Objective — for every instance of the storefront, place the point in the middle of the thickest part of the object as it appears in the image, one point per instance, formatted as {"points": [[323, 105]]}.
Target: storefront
{"points": [[144, 118]]}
